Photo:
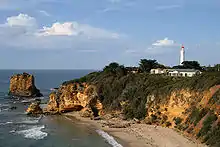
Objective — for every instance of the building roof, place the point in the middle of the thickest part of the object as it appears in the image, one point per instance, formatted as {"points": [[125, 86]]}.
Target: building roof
{"points": [[183, 70]]}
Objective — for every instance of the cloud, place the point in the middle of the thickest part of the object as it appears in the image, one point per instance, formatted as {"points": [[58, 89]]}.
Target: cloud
{"points": [[45, 13], [167, 7], [22, 20], [77, 29], [164, 43], [22, 32]]}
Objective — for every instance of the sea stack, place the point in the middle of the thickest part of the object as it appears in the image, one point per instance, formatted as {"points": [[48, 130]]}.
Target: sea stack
{"points": [[22, 85]]}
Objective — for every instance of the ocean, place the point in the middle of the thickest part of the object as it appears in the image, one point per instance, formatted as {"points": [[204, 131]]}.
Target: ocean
{"points": [[17, 129]]}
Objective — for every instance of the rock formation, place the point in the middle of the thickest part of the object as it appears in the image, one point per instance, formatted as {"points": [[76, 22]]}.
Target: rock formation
{"points": [[186, 110], [34, 108], [75, 97], [23, 85]]}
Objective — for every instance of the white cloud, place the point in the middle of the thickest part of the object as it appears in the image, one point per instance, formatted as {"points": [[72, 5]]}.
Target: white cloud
{"points": [[166, 7], [22, 32], [58, 29], [45, 13], [22, 20], [76, 29], [165, 43]]}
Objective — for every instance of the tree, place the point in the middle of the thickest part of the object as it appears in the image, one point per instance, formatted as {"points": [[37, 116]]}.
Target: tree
{"points": [[192, 65], [111, 67], [217, 67], [121, 70], [146, 65], [189, 65], [115, 68]]}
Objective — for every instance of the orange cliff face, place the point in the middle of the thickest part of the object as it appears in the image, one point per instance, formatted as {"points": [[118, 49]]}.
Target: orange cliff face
{"points": [[74, 97], [23, 85], [181, 107]]}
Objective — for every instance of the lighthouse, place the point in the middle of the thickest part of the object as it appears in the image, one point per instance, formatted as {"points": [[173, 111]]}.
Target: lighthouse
{"points": [[182, 55]]}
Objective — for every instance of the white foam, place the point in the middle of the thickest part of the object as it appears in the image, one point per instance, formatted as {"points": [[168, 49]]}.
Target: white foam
{"points": [[6, 123], [34, 133], [4, 105], [28, 100], [31, 120], [109, 138], [12, 131]]}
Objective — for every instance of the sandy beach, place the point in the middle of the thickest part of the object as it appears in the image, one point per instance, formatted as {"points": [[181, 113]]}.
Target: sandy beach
{"points": [[139, 135]]}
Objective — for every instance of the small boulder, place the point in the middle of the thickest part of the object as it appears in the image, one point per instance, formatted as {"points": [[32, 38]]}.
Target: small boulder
{"points": [[34, 109], [86, 112]]}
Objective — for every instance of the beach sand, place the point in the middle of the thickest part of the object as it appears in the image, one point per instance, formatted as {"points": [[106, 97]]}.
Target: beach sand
{"points": [[140, 135]]}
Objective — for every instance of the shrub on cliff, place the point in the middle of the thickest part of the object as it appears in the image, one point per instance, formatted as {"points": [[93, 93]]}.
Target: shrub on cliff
{"points": [[178, 120], [213, 138], [207, 124]]}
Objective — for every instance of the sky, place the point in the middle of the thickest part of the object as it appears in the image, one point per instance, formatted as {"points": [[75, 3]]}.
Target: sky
{"points": [[89, 34]]}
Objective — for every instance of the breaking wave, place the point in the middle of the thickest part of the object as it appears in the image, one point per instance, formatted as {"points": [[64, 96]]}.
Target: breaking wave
{"points": [[6, 123], [109, 138], [33, 133]]}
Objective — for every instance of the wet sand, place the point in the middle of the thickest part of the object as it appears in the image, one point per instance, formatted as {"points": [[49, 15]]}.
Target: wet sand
{"points": [[140, 135]]}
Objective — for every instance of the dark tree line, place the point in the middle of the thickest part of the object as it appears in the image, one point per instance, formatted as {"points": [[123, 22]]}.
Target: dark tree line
{"points": [[145, 65]]}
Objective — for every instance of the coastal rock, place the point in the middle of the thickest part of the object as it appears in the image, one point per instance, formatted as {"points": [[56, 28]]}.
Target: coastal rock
{"points": [[75, 97], [86, 112], [52, 106], [34, 108], [23, 85]]}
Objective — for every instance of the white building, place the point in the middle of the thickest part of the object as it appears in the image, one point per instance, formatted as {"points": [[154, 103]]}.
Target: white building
{"points": [[183, 72], [176, 72], [157, 71]]}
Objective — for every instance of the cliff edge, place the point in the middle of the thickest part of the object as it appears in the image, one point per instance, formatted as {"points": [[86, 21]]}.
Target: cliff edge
{"points": [[23, 85], [75, 97], [190, 105]]}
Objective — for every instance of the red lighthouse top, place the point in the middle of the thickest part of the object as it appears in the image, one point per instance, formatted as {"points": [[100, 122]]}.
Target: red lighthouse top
{"points": [[182, 48]]}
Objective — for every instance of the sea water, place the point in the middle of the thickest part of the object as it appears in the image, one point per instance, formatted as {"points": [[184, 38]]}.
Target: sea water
{"points": [[17, 129]]}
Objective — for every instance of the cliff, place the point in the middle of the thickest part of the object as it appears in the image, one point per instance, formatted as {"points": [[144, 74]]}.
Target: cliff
{"points": [[190, 105], [23, 85], [75, 97]]}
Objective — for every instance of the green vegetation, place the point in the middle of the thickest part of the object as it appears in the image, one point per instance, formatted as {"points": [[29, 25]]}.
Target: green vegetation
{"points": [[196, 115], [115, 84], [146, 65], [213, 138], [178, 120], [207, 124], [215, 68], [120, 89], [189, 65]]}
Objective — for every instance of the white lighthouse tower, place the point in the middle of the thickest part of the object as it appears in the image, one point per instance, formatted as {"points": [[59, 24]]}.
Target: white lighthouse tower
{"points": [[182, 55]]}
